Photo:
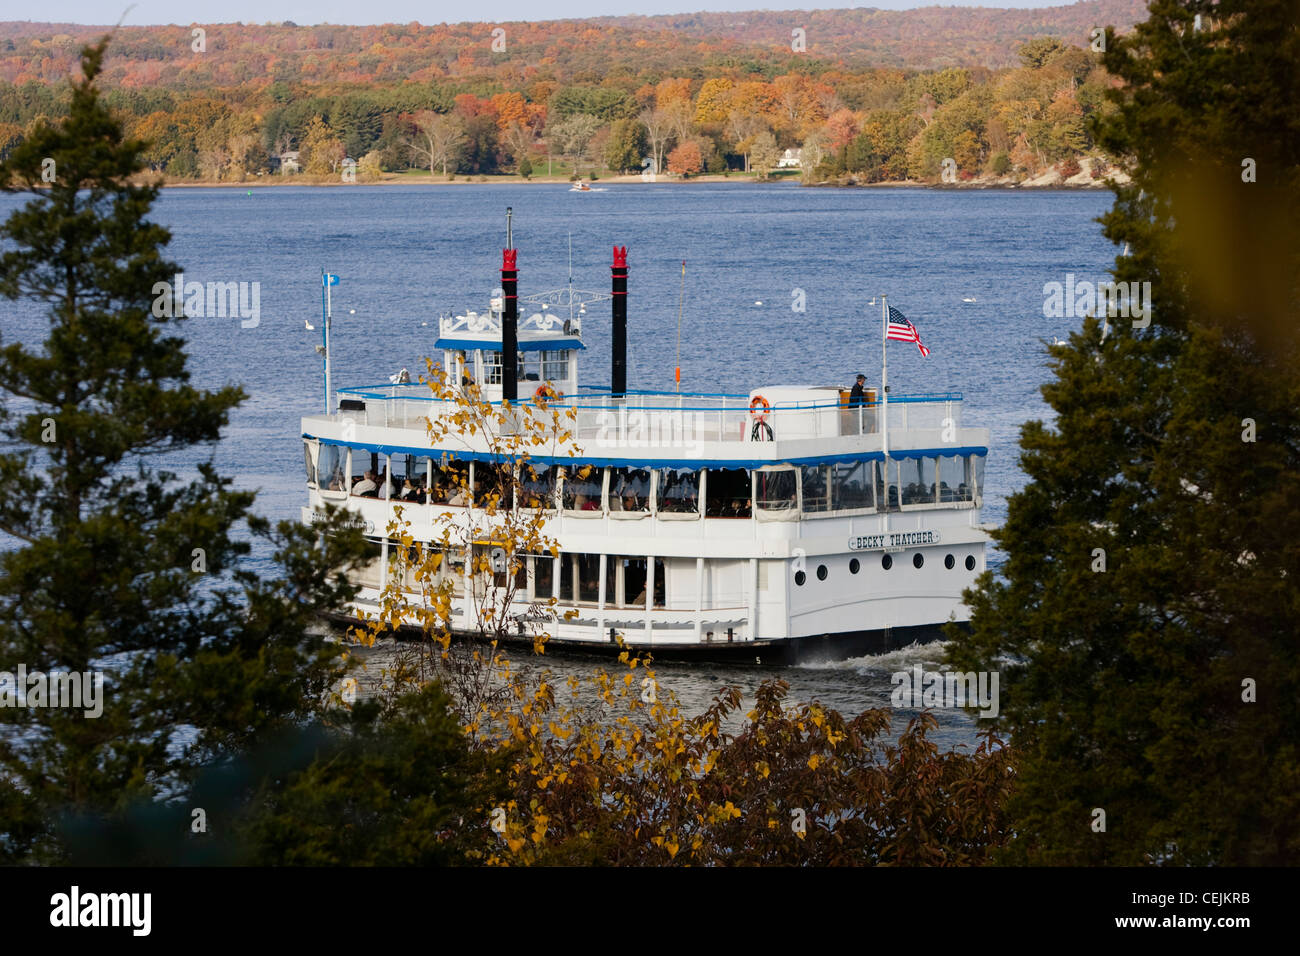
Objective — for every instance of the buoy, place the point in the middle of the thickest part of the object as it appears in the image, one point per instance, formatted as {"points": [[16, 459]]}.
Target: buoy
{"points": [[759, 407]]}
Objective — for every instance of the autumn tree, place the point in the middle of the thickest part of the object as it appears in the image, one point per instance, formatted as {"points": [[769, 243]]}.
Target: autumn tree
{"points": [[764, 154], [627, 145], [685, 160], [572, 137], [321, 152], [436, 139], [658, 127]]}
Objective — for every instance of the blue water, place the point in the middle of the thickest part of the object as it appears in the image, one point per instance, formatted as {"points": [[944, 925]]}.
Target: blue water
{"points": [[405, 254]]}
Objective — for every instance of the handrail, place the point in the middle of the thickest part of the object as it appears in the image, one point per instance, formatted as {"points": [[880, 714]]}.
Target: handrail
{"points": [[584, 403]]}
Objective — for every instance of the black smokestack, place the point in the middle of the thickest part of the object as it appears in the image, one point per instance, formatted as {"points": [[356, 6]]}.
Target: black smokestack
{"points": [[509, 326], [618, 385]]}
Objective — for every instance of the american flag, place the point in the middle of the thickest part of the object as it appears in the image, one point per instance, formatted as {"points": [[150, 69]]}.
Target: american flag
{"points": [[900, 329]]}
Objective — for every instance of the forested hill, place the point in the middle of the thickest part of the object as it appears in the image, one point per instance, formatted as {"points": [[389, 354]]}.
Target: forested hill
{"points": [[758, 42]]}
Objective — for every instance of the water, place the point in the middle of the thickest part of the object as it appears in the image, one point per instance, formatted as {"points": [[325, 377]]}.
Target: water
{"points": [[405, 254]]}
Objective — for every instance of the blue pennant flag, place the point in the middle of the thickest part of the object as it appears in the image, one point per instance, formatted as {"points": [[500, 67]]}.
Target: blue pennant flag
{"points": [[330, 279]]}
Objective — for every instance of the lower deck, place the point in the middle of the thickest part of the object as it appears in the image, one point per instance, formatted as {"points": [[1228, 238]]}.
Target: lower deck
{"points": [[669, 602]]}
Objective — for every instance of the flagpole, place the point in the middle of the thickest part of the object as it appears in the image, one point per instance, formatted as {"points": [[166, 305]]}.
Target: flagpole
{"points": [[329, 313], [325, 343], [884, 378]]}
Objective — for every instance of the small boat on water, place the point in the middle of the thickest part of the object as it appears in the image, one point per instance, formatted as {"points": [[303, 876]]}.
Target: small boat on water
{"points": [[580, 187], [782, 523]]}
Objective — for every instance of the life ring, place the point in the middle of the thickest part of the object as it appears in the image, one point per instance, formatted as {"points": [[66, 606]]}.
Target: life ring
{"points": [[759, 407], [544, 393]]}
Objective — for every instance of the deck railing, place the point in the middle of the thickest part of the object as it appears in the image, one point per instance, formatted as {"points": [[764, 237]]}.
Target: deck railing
{"points": [[653, 418]]}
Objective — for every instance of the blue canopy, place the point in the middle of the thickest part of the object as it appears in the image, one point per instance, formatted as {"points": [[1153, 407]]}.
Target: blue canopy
{"points": [[651, 462]]}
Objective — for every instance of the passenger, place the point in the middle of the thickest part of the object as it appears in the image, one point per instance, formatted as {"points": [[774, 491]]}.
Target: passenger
{"points": [[367, 486], [459, 499], [408, 492], [856, 395], [630, 503]]}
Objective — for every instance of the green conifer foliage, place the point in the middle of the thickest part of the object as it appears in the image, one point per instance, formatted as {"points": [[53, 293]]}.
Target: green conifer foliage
{"points": [[121, 565], [1147, 618]]}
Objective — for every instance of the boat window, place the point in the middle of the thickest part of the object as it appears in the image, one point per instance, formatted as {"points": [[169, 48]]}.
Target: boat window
{"points": [[537, 486], [492, 484], [332, 461], [367, 477], [776, 490], [955, 482], [632, 591], [583, 488], [977, 473], [629, 490], [311, 466], [497, 565], [816, 487], [679, 491], [543, 576], [580, 575], [411, 479], [370, 572], [727, 493], [555, 366], [450, 483], [491, 368], [887, 485], [852, 484], [916, 477]]}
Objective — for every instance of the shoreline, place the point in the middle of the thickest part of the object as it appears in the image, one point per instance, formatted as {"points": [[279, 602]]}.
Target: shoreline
{"points": [[299, 183]]}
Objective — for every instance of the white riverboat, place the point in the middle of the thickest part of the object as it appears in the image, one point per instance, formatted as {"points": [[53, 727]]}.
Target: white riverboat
{"points": [[777, 525]]}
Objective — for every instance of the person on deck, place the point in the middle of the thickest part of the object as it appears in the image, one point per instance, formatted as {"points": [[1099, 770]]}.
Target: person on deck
{"points": [[856, 395], [366, 486]]}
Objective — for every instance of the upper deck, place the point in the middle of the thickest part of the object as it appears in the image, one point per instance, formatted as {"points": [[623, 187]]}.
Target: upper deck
{"points": [[800, 422]]}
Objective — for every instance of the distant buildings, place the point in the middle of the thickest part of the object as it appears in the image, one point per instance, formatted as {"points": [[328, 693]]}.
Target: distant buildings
{"points": [[790, 159], [285, 163]]}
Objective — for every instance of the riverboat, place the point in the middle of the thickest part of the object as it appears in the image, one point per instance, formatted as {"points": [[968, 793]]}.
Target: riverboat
{"points": [[785, 523]]}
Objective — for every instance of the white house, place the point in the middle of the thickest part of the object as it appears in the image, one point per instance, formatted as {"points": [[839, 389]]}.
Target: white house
{"points": [[790, 159]]}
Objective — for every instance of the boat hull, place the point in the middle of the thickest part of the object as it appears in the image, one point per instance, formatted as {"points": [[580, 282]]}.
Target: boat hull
{"points": [[778, 652]]}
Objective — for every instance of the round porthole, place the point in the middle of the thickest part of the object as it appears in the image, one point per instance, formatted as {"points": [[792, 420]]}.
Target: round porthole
{"points": [[970, 562], [800, 578], [886, 562], [821, 572], [949, 561], [918, 559], [854, 566]]}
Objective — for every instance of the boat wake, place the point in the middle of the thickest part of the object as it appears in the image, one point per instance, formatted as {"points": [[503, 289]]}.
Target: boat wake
{"points": [[928, 655]]}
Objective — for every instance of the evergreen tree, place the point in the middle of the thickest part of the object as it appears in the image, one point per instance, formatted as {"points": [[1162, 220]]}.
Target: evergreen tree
{"points": [[122, 566], [1146, 620]]}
